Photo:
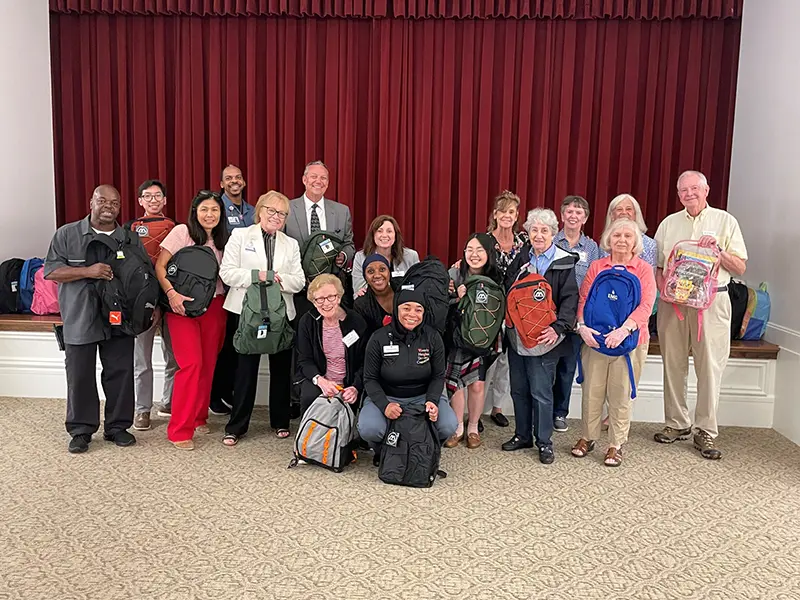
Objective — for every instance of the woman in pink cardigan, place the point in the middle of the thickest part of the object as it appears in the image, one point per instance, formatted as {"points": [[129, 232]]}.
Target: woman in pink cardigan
{"points": [[607, 377]]}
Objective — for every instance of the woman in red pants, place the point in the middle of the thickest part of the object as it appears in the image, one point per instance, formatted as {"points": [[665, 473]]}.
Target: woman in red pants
{"points": [[195, 341]]}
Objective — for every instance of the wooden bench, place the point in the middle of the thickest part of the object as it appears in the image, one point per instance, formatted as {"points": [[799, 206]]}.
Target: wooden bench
{"points": [[739, 348]]}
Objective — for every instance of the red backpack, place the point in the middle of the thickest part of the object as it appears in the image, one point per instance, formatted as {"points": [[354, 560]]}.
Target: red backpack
{"points": [[530, 308], [152, 231]]}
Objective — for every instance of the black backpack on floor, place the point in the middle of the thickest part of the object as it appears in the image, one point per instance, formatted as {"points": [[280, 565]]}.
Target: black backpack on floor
{"points": [[10, 271], [127, 301], [193, 272], [411, 450], [431, 278]]}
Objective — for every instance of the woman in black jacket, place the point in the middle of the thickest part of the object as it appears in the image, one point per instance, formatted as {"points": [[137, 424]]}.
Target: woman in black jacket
{"points": [[377, 303], [532, 371], [330, 346], [404, 364]]}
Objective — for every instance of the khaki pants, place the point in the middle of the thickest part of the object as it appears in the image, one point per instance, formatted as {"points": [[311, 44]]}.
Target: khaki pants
{"points": [[607, 377], [710, 354]]}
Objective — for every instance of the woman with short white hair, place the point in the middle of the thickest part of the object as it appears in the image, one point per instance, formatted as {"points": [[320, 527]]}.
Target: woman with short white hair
{"points": [[625, 206], [532, 366]]}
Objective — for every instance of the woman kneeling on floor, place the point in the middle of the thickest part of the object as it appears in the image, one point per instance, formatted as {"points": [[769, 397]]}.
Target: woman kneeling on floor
{"points": [[608, 376], [403, 365], [330, 345]]}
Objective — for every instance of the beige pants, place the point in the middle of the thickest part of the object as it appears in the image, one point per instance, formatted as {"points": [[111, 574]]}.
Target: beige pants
{"points": [[710, 354], [607, 377]]}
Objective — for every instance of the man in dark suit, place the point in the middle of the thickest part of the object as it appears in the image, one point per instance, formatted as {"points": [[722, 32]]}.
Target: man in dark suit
{"points": [[313, 212]]}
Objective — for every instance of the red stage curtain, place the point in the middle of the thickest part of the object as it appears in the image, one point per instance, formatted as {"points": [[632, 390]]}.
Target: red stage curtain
{"points": [[424, 119]]}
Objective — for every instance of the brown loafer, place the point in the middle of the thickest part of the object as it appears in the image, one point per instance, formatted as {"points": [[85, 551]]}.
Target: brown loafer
{"points": [[453, 440], [473, 441]]}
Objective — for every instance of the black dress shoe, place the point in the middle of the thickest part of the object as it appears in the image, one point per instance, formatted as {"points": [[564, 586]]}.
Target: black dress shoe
{"points": [[515, 444], [120, 438], [546, 455], [500, 419], [79, 444]]}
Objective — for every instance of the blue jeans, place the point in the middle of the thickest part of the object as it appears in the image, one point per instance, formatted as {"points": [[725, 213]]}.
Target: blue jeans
{"points": [[565, 376], [372, 423], [532, 380]]}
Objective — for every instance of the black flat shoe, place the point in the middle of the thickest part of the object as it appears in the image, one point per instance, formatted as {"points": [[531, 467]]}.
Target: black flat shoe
{"points": [[79, 444], [515, 444], [120, 438], [546, 455], [500, 419]]}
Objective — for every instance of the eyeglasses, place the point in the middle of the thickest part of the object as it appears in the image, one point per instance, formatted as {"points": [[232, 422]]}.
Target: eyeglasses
{"points": [[149, 197], [271, 212], [329, 299]]}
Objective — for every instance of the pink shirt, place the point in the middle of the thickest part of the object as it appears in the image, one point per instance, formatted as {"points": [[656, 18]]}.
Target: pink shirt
{"points": [[178, 238], [644, 271], [333, 346]]}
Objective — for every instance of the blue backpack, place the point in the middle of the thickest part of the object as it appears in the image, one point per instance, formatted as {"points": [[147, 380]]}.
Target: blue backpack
{"points": [[26, 280], [614, 295]]}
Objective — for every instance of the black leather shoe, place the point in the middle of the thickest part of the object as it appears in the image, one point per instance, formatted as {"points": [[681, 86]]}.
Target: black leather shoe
{"points": [[546, 455], [500, 419], [79, 444], [120, 438], [515, 444]]}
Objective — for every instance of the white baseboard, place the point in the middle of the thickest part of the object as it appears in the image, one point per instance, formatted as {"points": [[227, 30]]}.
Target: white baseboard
{"points": [[32, 366]]}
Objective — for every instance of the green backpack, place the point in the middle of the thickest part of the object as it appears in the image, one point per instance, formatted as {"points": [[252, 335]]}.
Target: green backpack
{"points": [[481, 312], [319, 254], [263, 326]]}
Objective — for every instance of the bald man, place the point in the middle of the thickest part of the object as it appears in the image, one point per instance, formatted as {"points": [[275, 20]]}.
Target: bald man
{"points": [[85, 332]]}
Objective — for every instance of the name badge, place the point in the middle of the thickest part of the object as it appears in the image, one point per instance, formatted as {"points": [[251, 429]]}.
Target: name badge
{"points": [[14, 286], [249, 248], [408, 286], [583, 256], [350, 339], [120, 255], [326, 246], [711, 233], [263, 330], [233, 220], [398, 273], [391, 350]]}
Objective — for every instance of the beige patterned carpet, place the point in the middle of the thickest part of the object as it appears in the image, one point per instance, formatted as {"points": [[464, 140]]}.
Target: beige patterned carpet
{"points": [[154, 522]]}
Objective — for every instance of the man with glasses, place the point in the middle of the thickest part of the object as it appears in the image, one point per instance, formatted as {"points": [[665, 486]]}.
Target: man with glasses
{"points": [[152, 228]]}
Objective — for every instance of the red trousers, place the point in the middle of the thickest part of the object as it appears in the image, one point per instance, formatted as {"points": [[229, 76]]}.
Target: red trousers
{"points": [[196, 342]]}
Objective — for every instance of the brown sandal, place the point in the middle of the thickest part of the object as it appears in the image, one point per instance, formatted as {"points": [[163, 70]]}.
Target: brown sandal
{"points": [[613, 457], [582, 447]]}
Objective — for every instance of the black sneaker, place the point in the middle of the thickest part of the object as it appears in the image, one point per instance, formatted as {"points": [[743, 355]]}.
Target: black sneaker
{"points": [[219, 409], [79, 444], [560, 424], [515, 444], [546, 455], [120, 438]]}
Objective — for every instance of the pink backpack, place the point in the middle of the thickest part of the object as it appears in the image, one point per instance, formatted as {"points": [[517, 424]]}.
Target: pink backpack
{"points": [[690, 278], [45, 295]]}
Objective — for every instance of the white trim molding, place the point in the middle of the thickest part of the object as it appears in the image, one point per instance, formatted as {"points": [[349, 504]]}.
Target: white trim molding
{"points": [[786, 416]]}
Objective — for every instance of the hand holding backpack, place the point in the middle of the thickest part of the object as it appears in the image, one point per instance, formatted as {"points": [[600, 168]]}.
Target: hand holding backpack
{"points": [[614, 295], [327, 435], [530, 310], [480, 315], [431, 278], [411, 450], [319, 254], [263, 325], [192, 271]]}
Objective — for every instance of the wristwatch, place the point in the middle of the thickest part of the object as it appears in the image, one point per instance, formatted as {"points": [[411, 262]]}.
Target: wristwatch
{"points": [[579, 325], [315, 379]]}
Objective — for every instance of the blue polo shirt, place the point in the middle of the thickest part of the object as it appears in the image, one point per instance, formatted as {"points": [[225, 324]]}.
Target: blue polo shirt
{"points": [[238, 216], [542, 262]]}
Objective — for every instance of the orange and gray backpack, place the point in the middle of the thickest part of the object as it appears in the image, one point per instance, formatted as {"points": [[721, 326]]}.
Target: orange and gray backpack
{"points": [[151, 232], [530, 309]]}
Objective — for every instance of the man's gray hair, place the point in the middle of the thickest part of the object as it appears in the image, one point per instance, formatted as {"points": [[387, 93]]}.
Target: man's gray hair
{"points": [[637, 210], [702, 177], [315, 163], [543, 216]]}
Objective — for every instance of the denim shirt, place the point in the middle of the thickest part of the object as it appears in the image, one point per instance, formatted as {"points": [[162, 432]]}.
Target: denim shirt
{"points": [[587, 250], [542, 262], [237, 216]]}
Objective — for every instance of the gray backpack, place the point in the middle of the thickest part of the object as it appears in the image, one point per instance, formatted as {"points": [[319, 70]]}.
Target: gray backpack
{"points": [[327, 435]]}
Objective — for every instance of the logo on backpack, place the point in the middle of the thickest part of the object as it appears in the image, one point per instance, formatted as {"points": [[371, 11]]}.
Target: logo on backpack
{"points": [[539, 295], [392, 439], [142, 230], [612, 295], [173, 268], [481, 297]]}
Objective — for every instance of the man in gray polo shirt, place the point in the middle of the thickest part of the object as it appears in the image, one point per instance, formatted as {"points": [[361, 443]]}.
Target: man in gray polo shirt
{"points": [[85, 332]]}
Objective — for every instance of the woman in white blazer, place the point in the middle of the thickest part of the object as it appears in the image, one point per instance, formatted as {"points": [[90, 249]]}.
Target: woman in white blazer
{"points": [[262, 247]]}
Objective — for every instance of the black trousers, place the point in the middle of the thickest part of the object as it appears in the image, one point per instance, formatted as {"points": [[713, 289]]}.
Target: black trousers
{"points": [[222, 387], [83, 401], [244, 395]]}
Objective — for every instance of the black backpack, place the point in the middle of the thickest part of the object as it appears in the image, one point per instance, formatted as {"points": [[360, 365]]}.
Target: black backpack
{"points": [[10, 271], [411, 450], [431, 278], [738, 294], [127, 301], [193, 272]]}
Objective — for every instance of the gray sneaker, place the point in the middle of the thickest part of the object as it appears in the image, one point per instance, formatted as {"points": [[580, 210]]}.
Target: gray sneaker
{"points": [[669, 435], [141, 422], [705, 444], [560, 424]]}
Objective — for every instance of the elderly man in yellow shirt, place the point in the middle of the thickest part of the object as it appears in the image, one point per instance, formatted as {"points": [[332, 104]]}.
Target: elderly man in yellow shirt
{"points": [[698, 220]]}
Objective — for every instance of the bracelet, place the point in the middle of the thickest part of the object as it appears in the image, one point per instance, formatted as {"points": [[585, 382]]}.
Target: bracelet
{"points": [[169, 290]]}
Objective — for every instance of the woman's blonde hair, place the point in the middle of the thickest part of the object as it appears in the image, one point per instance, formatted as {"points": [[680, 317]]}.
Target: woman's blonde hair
{"points": [[324, 279], [637, 210], [605, 239], [505, 200], [264, 199]]}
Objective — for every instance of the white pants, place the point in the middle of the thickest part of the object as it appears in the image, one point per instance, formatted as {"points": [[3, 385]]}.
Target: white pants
{"points": [[143, 365]]}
